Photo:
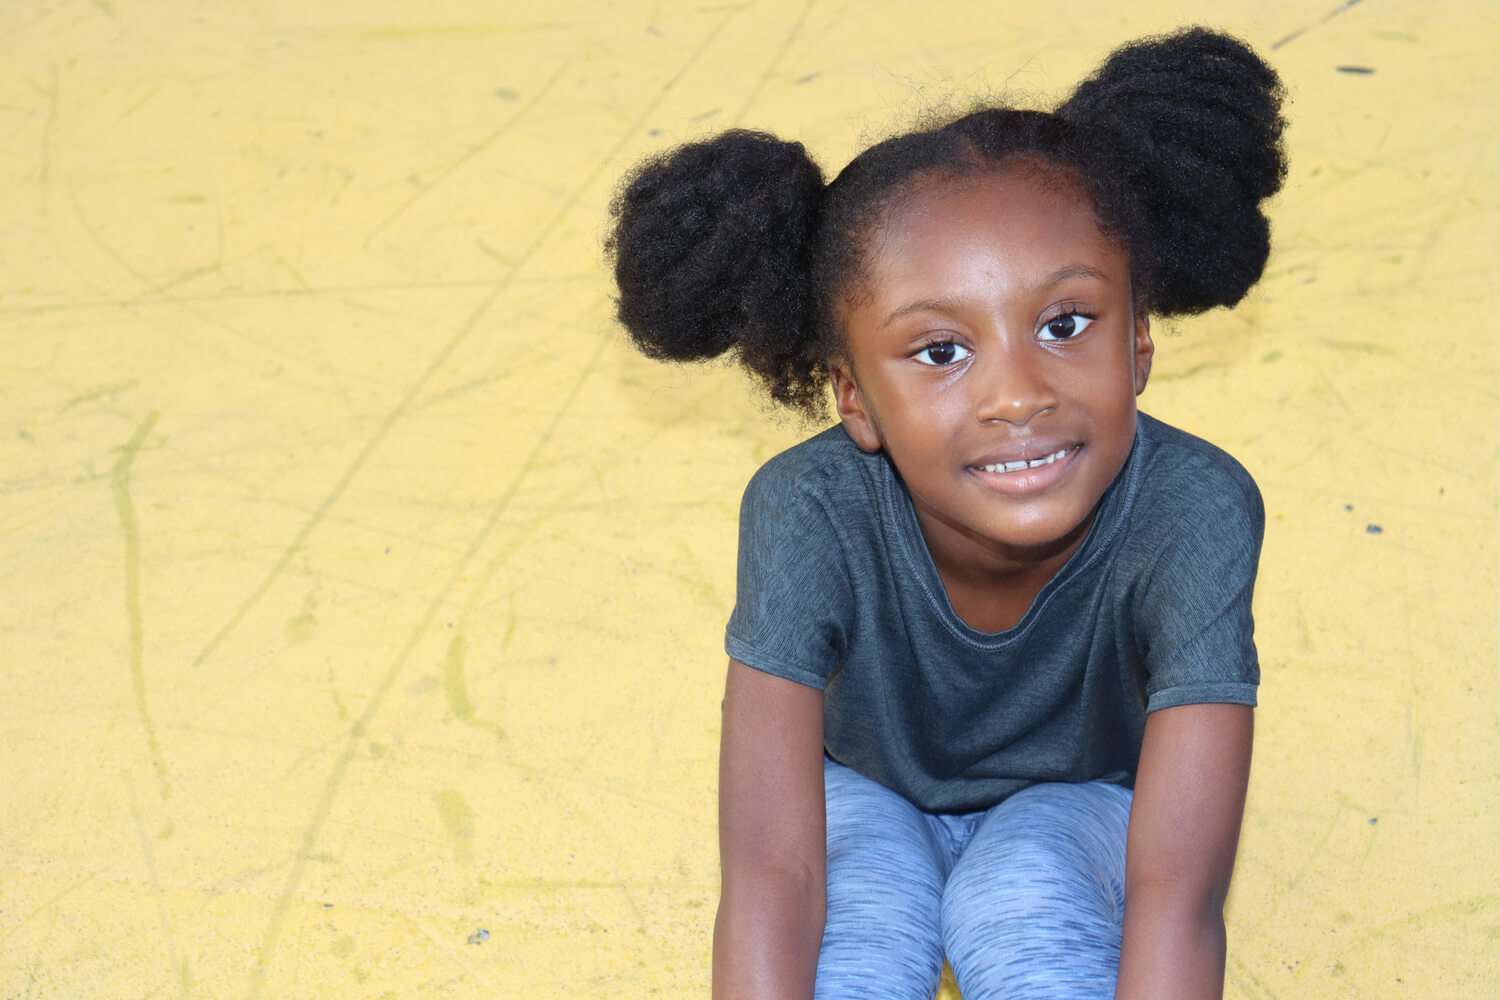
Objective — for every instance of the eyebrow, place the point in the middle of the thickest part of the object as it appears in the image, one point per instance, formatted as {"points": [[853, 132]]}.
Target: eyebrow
{"points": [[1073, 271], [1064, 273]]}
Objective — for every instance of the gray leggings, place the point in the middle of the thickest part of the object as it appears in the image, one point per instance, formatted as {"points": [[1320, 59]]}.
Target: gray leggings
{"points": [[1025, 899]]}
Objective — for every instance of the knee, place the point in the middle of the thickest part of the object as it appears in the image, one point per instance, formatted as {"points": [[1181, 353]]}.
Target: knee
{"points": [[1014, 884], [1024, 921], [1008, 884], [1046, 849], [1038, 895], [882, 935], [870, 825]]}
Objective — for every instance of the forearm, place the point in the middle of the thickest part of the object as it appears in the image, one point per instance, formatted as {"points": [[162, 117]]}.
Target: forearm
{"points": [[1184, 828], [1174, 946], [766, 937], [771, 839]]}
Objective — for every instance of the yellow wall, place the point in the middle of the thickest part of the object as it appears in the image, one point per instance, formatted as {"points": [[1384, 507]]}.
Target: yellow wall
{"points": [[362, 590]]}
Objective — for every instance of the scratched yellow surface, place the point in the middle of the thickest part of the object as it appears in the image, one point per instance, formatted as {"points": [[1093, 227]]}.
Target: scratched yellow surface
{"points": [[362, 592]]}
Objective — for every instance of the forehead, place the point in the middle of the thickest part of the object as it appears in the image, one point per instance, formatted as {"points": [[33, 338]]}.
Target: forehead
{"points": [[1013, 224]]}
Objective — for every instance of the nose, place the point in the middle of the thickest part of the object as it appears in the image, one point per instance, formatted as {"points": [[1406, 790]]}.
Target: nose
{"points": [[1013, 386]]}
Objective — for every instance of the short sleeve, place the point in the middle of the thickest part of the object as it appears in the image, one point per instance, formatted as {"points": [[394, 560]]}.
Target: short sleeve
{"points": [[793, 596], [1194, 615]]}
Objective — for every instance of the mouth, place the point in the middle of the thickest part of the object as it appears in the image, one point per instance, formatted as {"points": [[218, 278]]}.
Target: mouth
{"points": [[1025, 477], [1035, 463]]}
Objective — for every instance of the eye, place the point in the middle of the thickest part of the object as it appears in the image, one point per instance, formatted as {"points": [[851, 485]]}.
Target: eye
{"points": [[1065, 327], [944, 352]]}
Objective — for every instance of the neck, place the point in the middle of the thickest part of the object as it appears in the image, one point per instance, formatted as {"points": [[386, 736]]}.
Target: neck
{"points": [[989, 584]]}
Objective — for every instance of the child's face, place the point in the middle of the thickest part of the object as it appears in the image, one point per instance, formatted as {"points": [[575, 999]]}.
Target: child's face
{"points": [[996, 326]]}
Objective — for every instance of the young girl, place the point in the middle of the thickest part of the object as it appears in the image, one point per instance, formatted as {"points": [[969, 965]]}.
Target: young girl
{"points": [[992, 664]]}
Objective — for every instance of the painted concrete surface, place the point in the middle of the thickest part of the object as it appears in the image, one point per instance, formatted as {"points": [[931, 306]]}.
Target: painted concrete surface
{"points": [[363, 592]]}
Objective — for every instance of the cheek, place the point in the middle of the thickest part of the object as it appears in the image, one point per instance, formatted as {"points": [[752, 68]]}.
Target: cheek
{"points": [[925, 419], [1115, 380], [1099, 389]]}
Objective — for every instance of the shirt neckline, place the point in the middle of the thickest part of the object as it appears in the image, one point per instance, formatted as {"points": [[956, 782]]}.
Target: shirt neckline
{"points": [[1114, 512]]}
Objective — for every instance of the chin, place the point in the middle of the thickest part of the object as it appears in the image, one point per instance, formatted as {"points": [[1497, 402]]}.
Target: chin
{"points": [[1044, 535]]}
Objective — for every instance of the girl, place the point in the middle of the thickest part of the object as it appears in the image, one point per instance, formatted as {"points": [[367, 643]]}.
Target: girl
{"points": [[992, 666]]}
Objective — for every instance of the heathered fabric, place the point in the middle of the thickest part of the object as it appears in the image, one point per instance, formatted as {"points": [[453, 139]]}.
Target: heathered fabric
{"points": [[1026, 899], [837, 591]]}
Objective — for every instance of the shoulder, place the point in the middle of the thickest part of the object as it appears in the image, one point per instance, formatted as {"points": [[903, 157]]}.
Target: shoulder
{"points": [[828, 472], [1192, 560], [1197, 514], [803, 531], [1186, 480]]}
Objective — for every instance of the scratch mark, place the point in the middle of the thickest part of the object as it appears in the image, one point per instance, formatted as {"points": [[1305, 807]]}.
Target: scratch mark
{"points": [[494, 254], [305, 853], [458, 820], [472, 152], [1333, 391], [775, 61], [1202, 366], [218, 233], [179, 965], [510, 624], [49, 129], [99, 241], [1417, 457], [181, 279], [457, 689], [404, 32], [321, 512], [442, 357], [1463, 909], [640, 918], [125, 507], [43, 907], [1358, 346], [102, 391], [1239, 970], [633, 798], [296, 274], [444, 942], [1322, 21], [235, 295], [138, 104], [338, 192]]}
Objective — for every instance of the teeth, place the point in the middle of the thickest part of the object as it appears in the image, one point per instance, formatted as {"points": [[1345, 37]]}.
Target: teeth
{"points": [[1033, 464]]}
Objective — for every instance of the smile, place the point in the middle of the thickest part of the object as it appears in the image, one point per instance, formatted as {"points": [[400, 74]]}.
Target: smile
{"points": [[1035, 463]]}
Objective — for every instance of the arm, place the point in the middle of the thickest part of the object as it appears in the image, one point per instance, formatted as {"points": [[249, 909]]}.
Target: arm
{"points": [[1184, 827], [771, 838]]}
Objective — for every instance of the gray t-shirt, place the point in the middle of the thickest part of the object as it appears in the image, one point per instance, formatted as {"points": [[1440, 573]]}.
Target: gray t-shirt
{"points": [[838, 591]]}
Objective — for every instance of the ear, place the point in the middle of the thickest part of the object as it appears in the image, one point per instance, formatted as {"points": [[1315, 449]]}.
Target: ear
{"points": [[1144, 350], [851, 405]]}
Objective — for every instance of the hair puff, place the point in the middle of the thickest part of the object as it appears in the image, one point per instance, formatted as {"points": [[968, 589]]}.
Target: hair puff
{"points": [[1192, 125], [710, 249]]}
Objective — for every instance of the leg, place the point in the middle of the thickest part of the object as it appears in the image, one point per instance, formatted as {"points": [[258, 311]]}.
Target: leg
{"points": [[1034, 907], [881, 939]]}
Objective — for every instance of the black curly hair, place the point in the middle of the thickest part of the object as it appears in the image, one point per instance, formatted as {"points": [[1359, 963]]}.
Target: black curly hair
{"points": [[736, 243]]}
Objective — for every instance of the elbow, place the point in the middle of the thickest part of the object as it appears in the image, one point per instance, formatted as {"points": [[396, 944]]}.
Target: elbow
{"points": [[1193, 897], [776, 884], [768, 931], [786, 899]]}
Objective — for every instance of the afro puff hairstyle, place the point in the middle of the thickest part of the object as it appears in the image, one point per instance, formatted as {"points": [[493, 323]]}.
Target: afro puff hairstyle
{"points": [[736, 244]]}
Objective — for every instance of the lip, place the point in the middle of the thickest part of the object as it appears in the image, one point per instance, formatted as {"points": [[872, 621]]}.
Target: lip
{"points": [[1024, 482]]}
